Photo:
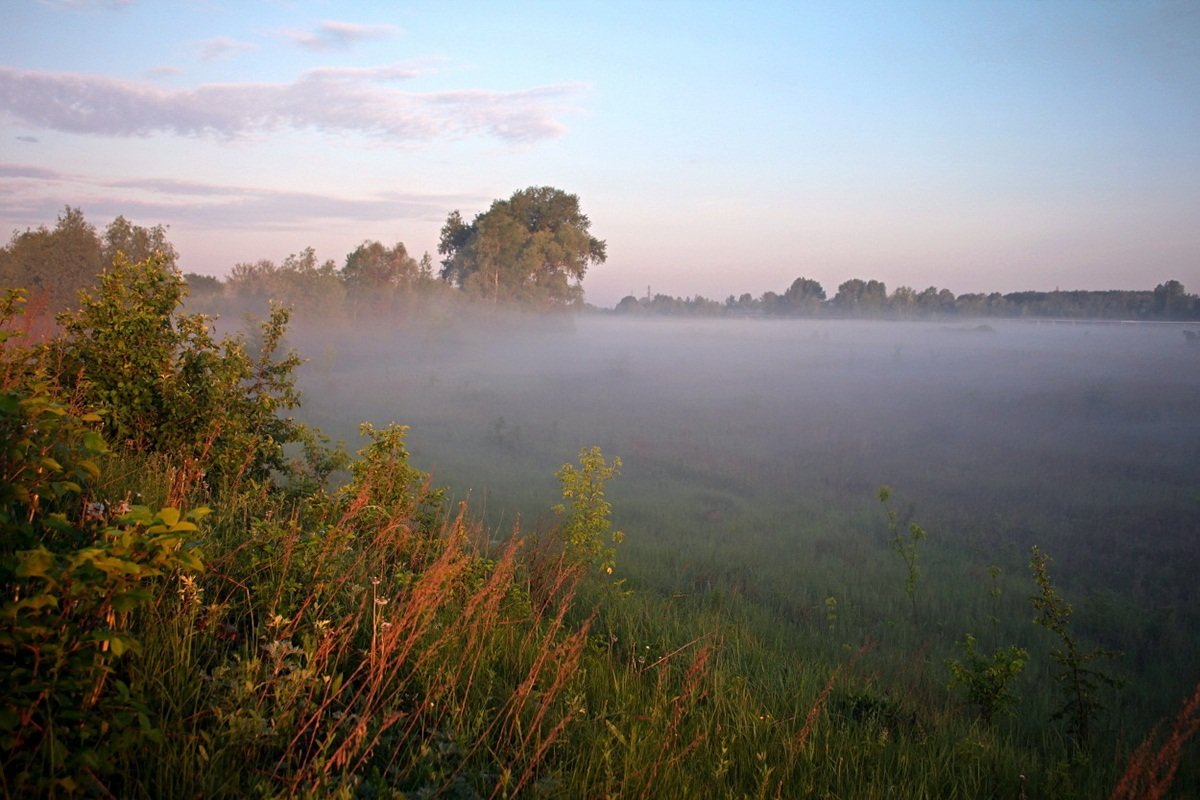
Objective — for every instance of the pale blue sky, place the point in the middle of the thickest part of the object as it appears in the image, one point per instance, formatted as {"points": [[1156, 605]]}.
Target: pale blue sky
{"points": [[718, 147]]}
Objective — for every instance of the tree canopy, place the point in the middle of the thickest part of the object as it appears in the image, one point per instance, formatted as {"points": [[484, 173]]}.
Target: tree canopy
{"points": [[54, 264], [869, 298], [534, 247]]}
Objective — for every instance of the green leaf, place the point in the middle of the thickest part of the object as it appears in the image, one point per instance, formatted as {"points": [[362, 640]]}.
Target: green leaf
{"points": [[197, 514], [169, 515], [190, 560], [138, 514], [61, 488], [128, 601], [36, 603], [117, 566], [35, 563]]}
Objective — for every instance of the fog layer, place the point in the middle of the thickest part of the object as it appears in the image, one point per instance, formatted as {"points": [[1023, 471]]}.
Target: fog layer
{"points": [[753, 450]]}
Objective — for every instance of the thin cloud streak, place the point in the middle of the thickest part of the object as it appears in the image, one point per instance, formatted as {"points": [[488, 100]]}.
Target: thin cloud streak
{"points": [[330, 100], [223, 47], [335, 35], [88, 5], [207, 205], [24, 171], [164, 71]]}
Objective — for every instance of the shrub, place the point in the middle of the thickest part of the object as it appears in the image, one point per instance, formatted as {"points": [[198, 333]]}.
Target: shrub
{"points": [[73, 570], [164, 385], [987, 678], [585, 515]]}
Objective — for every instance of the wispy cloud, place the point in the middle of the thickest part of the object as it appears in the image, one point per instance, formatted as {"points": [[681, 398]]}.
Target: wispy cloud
{"points": [[331, 100], [26, 171], [333, 35], [33, 191], [88, 5], [28, 139], [164, 71], [222, 47]]}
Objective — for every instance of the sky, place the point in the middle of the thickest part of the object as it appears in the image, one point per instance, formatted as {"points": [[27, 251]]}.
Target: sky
{"points": [[717, 147]]}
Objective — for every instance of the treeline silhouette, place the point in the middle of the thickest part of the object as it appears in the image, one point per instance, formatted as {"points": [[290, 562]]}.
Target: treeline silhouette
{"points": [[869, 298], [55, 263]]}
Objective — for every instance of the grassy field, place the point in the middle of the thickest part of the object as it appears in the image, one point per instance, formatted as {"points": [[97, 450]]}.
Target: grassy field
{"points": [[753, 452], [188, 614]]}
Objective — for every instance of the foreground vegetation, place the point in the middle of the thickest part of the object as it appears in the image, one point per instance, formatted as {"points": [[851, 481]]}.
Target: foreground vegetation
{"points": [[192, 607]]}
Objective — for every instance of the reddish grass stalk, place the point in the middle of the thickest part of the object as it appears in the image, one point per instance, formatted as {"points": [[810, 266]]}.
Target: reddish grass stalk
{"points": [[568, 656], [481, 616], [1149, 773], [688, 697], [545, 650], [796, 745], [379, 678]]}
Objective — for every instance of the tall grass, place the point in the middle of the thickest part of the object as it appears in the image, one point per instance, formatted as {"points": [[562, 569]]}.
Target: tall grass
{"points": [[1150, 771]]}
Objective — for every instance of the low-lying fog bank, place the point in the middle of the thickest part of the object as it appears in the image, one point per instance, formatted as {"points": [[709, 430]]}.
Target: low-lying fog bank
{"points": [[1078, 397], [753, 451], [1035, 428]]}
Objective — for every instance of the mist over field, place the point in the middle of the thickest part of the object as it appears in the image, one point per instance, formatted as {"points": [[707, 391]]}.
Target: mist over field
{"points": [[998, 413], [753, 451]]}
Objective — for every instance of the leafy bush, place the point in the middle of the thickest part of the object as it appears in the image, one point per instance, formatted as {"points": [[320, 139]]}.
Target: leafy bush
{"points": [[73, 570], [164, 385], [585, 517], [987, 678]]}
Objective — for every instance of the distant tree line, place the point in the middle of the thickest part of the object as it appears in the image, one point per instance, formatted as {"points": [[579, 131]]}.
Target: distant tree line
{"points": [[373, 279], [53, 264], [532, 249], [870, 298]]}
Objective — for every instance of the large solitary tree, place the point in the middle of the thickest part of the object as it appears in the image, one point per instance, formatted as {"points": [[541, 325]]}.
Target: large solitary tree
{"points": [[534, 247]]}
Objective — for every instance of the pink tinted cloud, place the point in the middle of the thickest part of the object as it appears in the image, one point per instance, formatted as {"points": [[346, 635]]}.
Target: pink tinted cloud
{"points": [[334, 35], [34, 193], [25, 171], [222, 47], [164, 71], [331, 100]]}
